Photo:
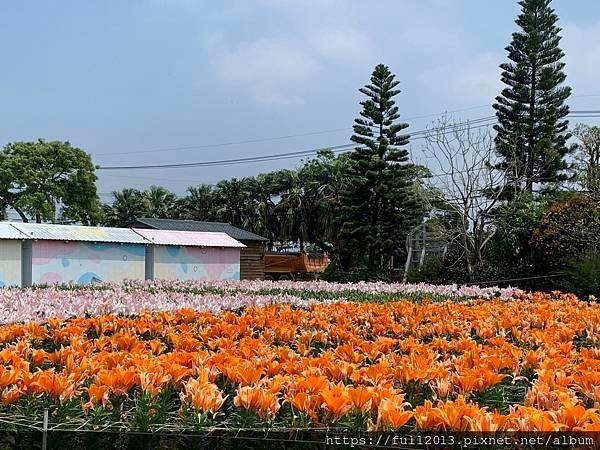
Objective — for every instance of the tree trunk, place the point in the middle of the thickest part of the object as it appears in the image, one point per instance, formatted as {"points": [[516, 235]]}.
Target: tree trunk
{"points": [[465, 243], [371, 256], [531, 138], [21, 214]]}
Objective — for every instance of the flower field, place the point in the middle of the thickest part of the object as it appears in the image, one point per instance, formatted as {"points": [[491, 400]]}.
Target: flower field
{"points": [[38, 304], [529, 362]]}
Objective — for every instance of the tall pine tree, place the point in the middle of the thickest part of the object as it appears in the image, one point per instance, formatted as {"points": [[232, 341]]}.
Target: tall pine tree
{"points": [[379, 206], [532, 131]]}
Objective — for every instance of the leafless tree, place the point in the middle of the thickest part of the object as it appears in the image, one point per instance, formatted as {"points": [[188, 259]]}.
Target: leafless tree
{"points": [[464, 184]]}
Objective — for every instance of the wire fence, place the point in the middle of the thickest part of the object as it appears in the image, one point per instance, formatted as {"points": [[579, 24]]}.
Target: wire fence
{"points": [[38, 432]]}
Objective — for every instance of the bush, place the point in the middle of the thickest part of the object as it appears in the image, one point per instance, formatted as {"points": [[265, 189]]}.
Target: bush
{"points": [[361, 272], [567, 230], [582, 276]]}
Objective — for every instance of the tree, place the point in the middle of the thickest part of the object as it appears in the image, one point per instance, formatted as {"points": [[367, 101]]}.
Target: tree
{"points": [[44, 180], [568, 229], [510, 251], [160, 203], [260, 211], [567, 239], [3, 210], [292, 207], [532, 132], [232, 200], [127, 205], [588, 157], [324, 179], [379, 206], [466, 188], [198, 204]]}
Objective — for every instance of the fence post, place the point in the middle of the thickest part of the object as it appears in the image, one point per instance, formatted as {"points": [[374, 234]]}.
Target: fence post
{"points": [[45, 431]]}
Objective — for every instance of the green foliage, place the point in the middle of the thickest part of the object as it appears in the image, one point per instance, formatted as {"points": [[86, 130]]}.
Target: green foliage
{"points": [[286, 206], [127, 205], [567, 240], [198, 204], [508, 256], [160, 203], [233, 201], [434, 270], [48, 180], [532, 131], [510, 250], [361, 271], [588, 157], [582, 276], [379, 203], [568, 229]]}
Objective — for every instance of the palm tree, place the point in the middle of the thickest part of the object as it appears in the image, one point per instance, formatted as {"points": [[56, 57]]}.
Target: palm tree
{"points": [[261, 210], [127, 205], [160, 203], [292, 208], [323, 179], [232, 200], [199, 203]]}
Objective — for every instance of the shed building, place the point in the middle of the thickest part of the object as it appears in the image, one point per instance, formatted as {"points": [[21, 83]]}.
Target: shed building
{"points": [[186, 255], [71, 253], [50, 254], [10, 255], [252, 256]]}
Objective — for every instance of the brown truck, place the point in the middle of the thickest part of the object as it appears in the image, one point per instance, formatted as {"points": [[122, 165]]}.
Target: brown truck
{"points": [[294, 265]]}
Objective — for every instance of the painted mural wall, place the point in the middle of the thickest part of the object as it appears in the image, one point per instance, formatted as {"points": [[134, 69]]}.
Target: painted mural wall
{"points": [[10, 263], [172, 262], [86, 262]]}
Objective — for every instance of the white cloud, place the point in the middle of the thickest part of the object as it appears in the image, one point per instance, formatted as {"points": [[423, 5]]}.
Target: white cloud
{"points": [[479, 78], [268, 68], [277, 63], [268, 59], [429, 39], [276, 70], [466, 81], [582, 57], [341, 44]]}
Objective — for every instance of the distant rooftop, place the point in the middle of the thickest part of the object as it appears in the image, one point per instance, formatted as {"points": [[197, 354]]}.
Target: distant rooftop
{"points": [[175, 237], [55, 232], [207, 227]]}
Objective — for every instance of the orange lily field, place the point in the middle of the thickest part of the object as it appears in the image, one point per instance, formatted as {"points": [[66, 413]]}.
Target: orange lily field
{"points": [[526, 363]]}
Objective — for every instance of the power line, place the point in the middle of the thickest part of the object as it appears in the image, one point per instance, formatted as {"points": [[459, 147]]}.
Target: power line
{"points": [[225, 144], [291, 136], [112, 175], [231, 161], [421, 134], [276, 138], [431, 175]]}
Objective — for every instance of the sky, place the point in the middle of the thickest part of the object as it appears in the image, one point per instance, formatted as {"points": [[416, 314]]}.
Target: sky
{"points": [[174, 81]]}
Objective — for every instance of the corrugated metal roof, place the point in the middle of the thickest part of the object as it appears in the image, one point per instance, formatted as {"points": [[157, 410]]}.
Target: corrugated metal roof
{"points": [[8, 231], [53, 232], [192, 225], [190, 238]]}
